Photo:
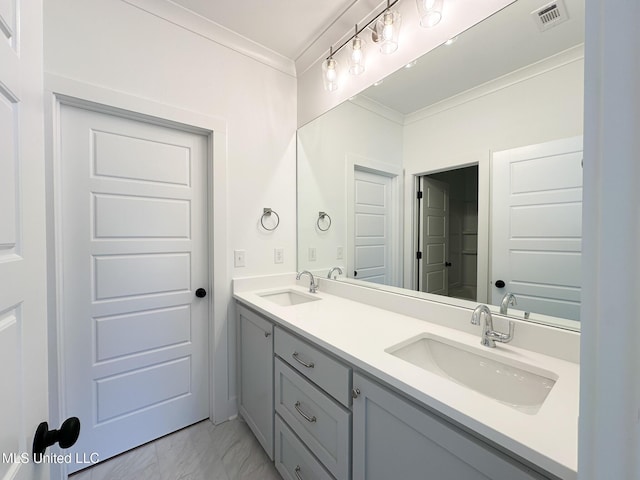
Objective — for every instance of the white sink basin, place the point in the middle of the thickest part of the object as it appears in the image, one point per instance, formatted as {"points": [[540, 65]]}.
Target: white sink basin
{"points": [[288, 297], [519, 385]]}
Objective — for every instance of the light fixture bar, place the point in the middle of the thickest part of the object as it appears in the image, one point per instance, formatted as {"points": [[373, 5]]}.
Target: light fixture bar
{"points": [[389, 5]]}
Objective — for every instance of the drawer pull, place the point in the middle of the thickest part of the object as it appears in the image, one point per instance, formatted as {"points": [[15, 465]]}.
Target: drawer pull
{"points": [[297, 472], [304, 415], [295, 357]]}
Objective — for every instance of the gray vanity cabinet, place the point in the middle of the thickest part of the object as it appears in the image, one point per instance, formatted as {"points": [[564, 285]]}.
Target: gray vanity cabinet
{"points": [[393, 438], [256, 375]]}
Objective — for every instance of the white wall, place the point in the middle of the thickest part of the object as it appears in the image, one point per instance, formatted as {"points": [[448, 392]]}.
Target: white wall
{"points": [[539, 103], [117, 46], [324, 146]]}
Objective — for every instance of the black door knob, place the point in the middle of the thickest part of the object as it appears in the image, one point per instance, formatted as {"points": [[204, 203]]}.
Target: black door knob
{"points": [[201, 293], [500, 284], [66, 436], [447, 264], [355, 273]]}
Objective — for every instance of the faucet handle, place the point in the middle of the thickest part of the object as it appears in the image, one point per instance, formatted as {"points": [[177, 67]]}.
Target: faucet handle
{"points": [[503, 337]]}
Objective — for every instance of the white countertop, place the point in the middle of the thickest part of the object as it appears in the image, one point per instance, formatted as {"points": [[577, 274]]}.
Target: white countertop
{"points": [[359, 334]]}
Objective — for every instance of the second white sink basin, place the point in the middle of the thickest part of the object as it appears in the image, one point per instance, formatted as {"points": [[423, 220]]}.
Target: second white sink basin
{"points": [[519, 385], [288, 297]]}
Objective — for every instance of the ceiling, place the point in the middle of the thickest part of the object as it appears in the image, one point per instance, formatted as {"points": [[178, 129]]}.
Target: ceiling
{"points": [[505, 42], [288, 27]]}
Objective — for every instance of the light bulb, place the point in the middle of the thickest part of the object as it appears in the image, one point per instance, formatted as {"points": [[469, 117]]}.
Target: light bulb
{"points": [[430, 12], [388, 28], [330, 74], [357, 57]]}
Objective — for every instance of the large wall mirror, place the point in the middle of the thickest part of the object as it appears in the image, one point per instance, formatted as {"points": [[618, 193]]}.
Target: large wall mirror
{"points": [[458, 178]]}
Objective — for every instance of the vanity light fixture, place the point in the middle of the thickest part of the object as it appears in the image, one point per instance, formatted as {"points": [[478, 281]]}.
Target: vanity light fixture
{"points": [[330, 73], [430, 12], [357, 54], [385, 30]]}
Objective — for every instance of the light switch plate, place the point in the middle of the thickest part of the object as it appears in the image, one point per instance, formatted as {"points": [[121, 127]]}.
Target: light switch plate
{"points": [[312, 254], [238, 258], [278, 255]]}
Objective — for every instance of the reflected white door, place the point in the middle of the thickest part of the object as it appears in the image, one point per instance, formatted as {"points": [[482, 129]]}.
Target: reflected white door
{"points": [[536, 226], [435, 232], [23, 327], [134, 250], [373, 239]]}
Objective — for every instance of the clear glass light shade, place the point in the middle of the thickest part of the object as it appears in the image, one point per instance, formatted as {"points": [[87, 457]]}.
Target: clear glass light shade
{"points": [[330, 74], [356, 56], [388, 30], [430, 12]]}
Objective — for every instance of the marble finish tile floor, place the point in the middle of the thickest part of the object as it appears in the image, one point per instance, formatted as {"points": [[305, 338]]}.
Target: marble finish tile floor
{"points": [[203, 451]]}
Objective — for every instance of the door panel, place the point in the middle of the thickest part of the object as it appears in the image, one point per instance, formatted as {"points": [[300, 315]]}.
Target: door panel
{"points": [[536, 226], [23, 315], [134, 228]]}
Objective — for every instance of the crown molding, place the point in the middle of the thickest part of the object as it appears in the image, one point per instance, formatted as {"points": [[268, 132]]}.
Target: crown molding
{"points": [[215, 32], [379, 109]]}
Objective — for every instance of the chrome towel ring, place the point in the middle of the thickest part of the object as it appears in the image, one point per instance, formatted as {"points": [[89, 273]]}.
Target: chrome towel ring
{"points": [[323, 216], [266, 213]]}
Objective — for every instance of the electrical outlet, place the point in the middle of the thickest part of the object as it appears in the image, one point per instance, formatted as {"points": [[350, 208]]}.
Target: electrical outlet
{"points": [[278, 255], [238, 258], [312, 254], [339, 253]]}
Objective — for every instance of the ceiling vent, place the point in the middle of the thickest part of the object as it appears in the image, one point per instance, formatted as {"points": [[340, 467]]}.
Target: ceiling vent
{"points": [[550, 15]]}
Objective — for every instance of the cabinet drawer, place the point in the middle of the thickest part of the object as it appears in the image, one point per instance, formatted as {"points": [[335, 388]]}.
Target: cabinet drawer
{"points": [[329, 374], [293, 460], [321, 423]]}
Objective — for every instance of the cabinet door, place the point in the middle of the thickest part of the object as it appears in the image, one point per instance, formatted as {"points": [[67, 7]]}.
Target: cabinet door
{"points": [[393, 438], [256, 376]]}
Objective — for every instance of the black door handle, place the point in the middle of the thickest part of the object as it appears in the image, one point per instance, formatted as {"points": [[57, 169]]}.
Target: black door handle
{"points": [[447, 264], [201, 293], [66, 436], [355, 273], [500, 284]]}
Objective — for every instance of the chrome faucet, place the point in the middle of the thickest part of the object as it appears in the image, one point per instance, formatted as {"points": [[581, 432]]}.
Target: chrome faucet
{"points": [[489, 336], [338, 269], [508, 299], [313, 286]]}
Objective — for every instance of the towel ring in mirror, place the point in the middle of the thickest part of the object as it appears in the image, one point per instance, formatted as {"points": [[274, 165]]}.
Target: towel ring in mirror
{"points": [[322, 216], [266, 213]]}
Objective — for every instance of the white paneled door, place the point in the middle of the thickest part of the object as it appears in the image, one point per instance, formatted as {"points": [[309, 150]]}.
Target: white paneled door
{"points": [[536, 226], [434, 236], [23, 328], [133, 227], [373, 220]]}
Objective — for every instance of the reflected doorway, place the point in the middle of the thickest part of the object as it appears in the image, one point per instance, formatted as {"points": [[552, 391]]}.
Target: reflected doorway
{"points": [[447, 259]]}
